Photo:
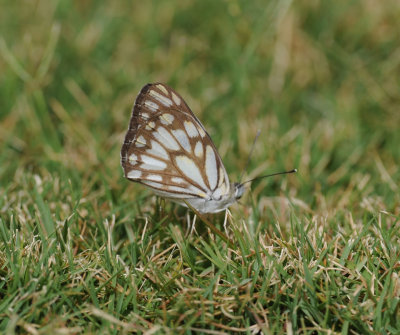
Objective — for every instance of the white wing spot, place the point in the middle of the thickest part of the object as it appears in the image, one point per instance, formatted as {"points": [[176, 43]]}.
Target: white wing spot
{"points": [[166, 190], [154, 177], [152, 183], [201, 131], [167, 118], [198, 192], [132, 159], [182, 138], [211, 167], [178, 180], [144, 115], [223, 188], [165, 137], [158, 150], [226, 182], [176, 99], [150, 125], [190, 189], [190, 170], [134, 174], [150, 163], [162, 89], [140, 142], [167, 102], [151, 105], [198, 149], [190, 129], [221, 176]]}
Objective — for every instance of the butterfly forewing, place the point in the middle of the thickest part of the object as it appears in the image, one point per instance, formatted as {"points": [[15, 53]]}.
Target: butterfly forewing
{"points": [[168, 149]]}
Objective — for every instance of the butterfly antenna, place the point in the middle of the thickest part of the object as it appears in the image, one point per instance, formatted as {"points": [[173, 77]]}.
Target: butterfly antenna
{"points": [[269, 175], [250, 154]]}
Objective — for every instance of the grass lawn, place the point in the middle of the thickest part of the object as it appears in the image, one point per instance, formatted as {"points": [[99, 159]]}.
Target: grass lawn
{"points": [[85, 251]]}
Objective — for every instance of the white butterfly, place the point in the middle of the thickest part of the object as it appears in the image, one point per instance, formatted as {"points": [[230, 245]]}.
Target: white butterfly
{"points": [[167, 149]]}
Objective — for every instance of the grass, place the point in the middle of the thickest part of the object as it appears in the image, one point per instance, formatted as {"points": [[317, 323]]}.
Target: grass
{"points": [[82, 250]]}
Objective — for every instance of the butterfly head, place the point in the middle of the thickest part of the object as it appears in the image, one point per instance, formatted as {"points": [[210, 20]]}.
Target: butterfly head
{"points": [[238, 190]]}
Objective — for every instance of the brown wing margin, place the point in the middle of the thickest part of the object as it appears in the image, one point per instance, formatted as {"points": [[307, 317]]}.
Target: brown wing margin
{"points": [[133, 124]]}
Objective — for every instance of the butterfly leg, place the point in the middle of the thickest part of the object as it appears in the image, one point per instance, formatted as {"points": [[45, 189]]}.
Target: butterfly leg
{"points": [[193, 225], [190, 225], [225, 221]]}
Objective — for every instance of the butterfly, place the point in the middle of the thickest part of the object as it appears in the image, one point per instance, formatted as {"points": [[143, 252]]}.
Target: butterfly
{"points": [[167, 149]]}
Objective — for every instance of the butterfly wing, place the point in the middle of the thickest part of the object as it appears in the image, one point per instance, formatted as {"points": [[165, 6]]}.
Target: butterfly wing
{"points": [[167, 148]]}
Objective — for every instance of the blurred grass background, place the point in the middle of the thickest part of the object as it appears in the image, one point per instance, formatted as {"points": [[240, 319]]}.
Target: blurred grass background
{"points": [[80, 245]]}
